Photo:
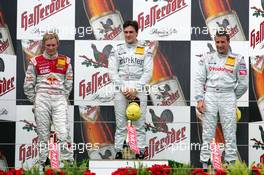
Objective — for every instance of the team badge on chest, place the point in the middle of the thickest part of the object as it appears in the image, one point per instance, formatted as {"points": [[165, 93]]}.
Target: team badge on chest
{"points": [[230, 61], [61, 63], [139, 50]]}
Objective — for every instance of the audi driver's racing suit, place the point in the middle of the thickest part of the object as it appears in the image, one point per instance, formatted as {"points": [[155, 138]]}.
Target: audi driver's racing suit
{"points": [[47, 84]]}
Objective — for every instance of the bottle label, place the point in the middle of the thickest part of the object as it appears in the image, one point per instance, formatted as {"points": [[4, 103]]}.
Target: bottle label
{"points": [[228, 22], [106, 151], [170, 94], [261, 107], [257, 63], [6, 45], [30, 49], [108, 26]]}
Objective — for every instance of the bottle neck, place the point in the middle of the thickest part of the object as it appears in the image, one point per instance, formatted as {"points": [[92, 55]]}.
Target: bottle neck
{"points": [[212, 8], [96, 8]]}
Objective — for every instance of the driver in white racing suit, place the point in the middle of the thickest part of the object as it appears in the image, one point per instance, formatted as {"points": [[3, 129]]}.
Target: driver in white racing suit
{"points": [[48, 83], [220, 80], [130, 69]]}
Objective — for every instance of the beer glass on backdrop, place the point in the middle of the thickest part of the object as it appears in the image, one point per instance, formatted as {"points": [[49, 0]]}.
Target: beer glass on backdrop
{"points": [[30, 48], [97, 131], [165, 87], [219, 15], [257, 65], [105, 20], [6, 45]]}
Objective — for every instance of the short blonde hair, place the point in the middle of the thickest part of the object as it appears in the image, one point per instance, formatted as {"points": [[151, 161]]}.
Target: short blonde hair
{"points": [[50, 35]]}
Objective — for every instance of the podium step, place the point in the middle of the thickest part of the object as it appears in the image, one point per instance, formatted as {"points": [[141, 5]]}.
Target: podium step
{"points": [[106, 167]]}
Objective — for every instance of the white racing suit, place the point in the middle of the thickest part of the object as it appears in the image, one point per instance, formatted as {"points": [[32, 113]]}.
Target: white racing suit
{"points": [[130, 66], [48, 83], [220, 80]]}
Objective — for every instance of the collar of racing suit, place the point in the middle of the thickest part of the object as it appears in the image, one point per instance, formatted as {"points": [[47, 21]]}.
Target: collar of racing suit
{"points": [[132, 45], [223, 55], [50, 57]]}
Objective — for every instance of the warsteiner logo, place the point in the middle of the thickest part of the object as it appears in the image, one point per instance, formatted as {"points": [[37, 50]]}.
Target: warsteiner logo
{"points": [[42, 12]]}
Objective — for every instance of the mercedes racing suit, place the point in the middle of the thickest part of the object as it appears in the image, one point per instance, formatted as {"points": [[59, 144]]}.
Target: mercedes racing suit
{"points": [[48, 83], [220, 80], [130, 66]]}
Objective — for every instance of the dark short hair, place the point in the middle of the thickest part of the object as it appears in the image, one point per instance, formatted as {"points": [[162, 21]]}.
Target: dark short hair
{"points": [[134, 24], [223, 33]]}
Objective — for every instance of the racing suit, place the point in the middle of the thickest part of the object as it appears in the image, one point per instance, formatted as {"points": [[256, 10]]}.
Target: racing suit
{"points": [[48, 83], [130, 66], [220, 80]]}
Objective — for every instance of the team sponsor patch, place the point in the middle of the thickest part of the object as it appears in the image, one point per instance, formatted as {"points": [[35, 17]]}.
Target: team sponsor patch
{"points": [[242, 72], [230, 61], [61, 62], [242, 66], [52, 79], [140, 50], [44, 70], [223, 69]]}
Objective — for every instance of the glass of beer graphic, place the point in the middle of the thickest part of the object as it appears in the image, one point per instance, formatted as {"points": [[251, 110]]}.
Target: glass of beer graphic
{"points": [[97, 132], [168, 91], [6, 44], [257, 65], [105, 19], [218, 15]]}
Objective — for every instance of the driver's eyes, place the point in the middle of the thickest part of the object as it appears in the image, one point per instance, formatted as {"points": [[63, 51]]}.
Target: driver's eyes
{"points": [[53, 45]]}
